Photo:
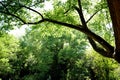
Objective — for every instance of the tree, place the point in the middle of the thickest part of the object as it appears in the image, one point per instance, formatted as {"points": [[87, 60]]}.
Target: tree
{"points": [[115, 11], [9, 47], [58, 53], [19, 10], [53, 50]]}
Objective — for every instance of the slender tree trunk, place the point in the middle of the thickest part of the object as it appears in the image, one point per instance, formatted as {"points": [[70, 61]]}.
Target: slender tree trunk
{"points": [[114, 7]]}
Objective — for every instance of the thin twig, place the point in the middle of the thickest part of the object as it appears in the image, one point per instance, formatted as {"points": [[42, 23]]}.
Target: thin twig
{"points": [[67, 11], [92, 16]]}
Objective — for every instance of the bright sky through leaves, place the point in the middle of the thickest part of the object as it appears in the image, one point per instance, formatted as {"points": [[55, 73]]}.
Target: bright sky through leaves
{"points": [[18, 32]]}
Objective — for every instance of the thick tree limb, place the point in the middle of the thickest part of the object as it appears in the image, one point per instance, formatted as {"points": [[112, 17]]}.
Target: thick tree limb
{"points": [[99, 49], [65, 24], [92, 36], [109, 49], [100, 40]]}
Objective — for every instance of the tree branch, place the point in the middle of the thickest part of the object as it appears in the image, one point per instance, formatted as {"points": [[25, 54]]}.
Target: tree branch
{"points": [[32, 10], [13, 15], [92, 16], [101, 41], [67, 11], [43, 20], [99, 49], [65, 24], [81, 16], [79, 4], [80, 12]]}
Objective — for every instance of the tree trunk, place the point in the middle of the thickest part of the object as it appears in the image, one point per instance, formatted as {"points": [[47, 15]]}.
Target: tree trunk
{"points": [[114, 7]]}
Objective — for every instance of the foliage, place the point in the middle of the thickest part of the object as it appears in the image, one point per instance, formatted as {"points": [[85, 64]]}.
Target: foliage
{"points": [[51, 51], [47, 47], [47, 51], [8, 49]]}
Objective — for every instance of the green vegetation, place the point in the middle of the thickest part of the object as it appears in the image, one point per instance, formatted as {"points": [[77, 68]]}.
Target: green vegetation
{"points": [[51, 51]]}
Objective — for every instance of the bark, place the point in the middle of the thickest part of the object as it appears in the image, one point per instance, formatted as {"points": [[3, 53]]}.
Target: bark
{"points": [[114, 7]]}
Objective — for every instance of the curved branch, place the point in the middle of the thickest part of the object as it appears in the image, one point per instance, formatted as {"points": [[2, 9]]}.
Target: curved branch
{"points": [[32, 10], [13, 15]]}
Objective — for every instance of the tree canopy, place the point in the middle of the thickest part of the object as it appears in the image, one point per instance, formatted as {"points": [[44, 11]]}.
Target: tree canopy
{"points": [[59, 38]]}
